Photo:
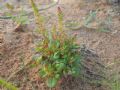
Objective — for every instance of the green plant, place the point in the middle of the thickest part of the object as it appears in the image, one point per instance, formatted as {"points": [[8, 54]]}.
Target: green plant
{"points": [[90, 18], [59, 54], [7, 85], [115, 85], [112, 75], [20, 19], [114, 81]]}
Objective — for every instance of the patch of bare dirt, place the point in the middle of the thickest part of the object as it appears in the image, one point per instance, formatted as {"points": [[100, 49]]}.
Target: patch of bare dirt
{"points": [[16, 48]]}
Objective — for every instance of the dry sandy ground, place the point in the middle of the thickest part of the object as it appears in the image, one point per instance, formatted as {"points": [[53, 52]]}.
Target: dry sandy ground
{"points": [[16, 48]]}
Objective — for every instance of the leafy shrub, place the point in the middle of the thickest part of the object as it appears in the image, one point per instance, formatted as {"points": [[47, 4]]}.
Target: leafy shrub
{"points": [[60, 55]]}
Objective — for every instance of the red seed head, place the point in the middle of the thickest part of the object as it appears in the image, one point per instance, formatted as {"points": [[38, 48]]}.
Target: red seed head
{"points": [[59, 10]]}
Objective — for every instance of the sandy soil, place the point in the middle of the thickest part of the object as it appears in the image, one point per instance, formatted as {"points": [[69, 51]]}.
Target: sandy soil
{"points": [[16, 48]]}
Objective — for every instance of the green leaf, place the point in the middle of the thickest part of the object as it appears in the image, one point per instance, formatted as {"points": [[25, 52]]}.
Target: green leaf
{"points": [[32, 65], [56, 55], [7, 85], [23, 20], [39, 59], [57, 43], [42, 73], [57, 76], [75, 71], [91, 17], [50, 68], [103, 30], [38, 49], [75, 46], [65, 56], [60, 66], [50, 40], [51, 82]]}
